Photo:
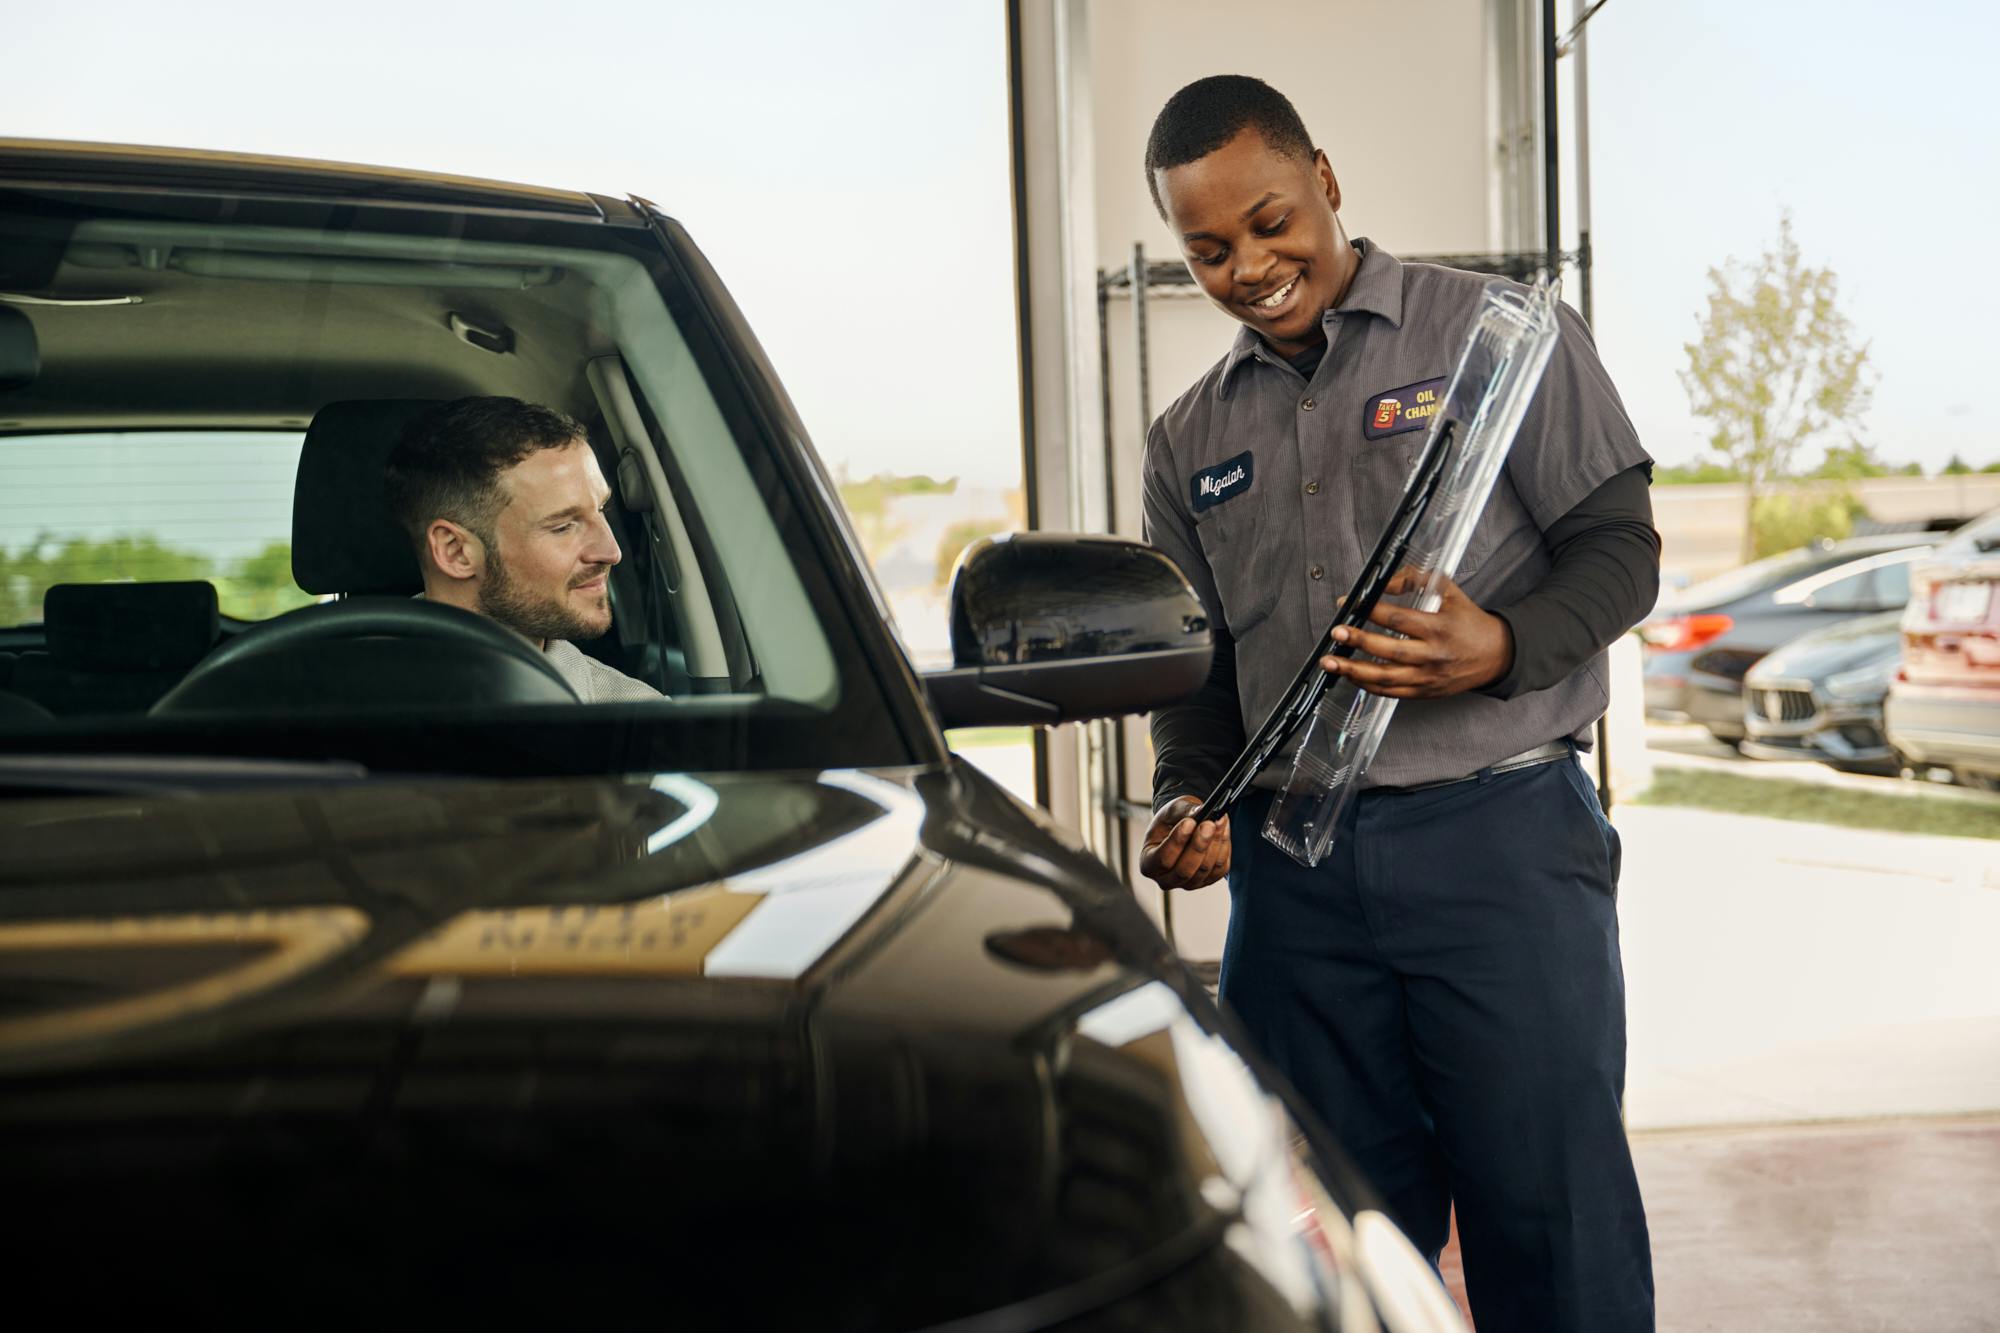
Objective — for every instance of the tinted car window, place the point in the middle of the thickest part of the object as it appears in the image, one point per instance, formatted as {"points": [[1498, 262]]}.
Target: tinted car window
{"points": [[1980, 534], [1892, 584], [160, 448], [1846, 594], [1751, 578], [143, 507]]}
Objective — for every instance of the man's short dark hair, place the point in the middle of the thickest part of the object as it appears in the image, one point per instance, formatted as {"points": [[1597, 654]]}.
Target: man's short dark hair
{"points": [[1208, 113], [449, 460]]}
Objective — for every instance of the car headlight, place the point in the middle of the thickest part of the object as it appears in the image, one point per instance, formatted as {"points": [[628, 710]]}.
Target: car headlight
{"points": [[1863, 681], [1406, 1290]]}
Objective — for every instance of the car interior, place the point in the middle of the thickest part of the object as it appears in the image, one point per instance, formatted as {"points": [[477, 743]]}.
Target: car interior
{"points": [[336, 337]]}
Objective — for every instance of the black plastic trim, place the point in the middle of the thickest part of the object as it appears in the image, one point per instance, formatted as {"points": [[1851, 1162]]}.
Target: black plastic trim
{"points": [[1046, 693]]}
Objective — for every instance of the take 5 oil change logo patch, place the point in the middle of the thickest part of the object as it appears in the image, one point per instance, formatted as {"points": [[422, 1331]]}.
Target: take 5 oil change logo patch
{"points": [[1225, 481], [1408, 408]]}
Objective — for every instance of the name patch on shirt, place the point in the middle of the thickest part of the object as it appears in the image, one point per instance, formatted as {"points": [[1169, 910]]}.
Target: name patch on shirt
{"points": [[1225, 481], [1408, 408]]}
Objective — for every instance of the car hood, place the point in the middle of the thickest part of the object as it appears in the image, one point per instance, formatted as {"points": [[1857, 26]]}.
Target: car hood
{"points": [[874, 1049], [1847, 646]]}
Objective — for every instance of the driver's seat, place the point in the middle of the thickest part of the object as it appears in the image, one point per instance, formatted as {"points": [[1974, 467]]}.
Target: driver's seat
{"points": [[345, 540], [379, 645]]}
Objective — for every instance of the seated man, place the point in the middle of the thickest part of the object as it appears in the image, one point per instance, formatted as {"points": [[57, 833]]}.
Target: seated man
{"points": [[505, 504]]}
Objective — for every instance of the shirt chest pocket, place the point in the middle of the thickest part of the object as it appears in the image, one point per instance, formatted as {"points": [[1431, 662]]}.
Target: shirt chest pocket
{"points": [[1242, 558], [1378, 472]]}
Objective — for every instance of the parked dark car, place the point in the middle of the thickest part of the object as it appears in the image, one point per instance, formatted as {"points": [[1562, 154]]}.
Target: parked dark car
{"points": [[354, 971], [1943, 710], [1820, 697], [1700, 642]]}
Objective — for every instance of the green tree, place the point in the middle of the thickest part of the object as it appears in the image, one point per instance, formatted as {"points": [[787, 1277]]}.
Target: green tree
{"points": [[31, 571], [867, 504], [1775, 366], [261, 586], [1957, 467], [1781, 522], [1703, 473], [1854, 461], [959, 536], [255, 588]]}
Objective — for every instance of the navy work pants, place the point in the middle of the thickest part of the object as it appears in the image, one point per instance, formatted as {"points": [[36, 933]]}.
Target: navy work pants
{"points": [[1445, 991]]}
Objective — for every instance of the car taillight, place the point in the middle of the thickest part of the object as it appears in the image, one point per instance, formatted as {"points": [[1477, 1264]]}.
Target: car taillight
{"points": [[1684, 634]]}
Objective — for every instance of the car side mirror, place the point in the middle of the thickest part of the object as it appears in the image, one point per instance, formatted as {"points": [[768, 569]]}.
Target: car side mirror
{"points": [[1053, 627]]}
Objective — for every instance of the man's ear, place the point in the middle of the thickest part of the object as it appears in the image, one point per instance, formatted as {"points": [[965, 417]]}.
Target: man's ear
{"points": [[1323, 175], [455, 552]]}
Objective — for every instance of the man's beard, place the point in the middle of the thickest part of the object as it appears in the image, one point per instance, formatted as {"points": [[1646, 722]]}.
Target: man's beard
{"points": [[522, 611]]}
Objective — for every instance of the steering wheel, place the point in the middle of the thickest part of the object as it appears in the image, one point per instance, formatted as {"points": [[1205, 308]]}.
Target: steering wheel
{"points": [[369, 650]]}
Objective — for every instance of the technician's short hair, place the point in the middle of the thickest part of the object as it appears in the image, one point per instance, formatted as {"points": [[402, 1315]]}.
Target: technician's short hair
{"points": [[1209, 112], [449, 460]]}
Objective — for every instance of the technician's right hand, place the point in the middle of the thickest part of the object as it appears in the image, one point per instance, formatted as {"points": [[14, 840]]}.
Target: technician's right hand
{"points": [[1181, 854]]}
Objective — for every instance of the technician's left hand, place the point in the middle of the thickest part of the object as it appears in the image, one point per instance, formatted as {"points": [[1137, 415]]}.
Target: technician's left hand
{"points": [[1456, 648]]}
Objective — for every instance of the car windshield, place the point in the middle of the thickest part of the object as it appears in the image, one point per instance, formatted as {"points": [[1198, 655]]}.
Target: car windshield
{"points": [[1975, 538], [202, 549], [1753, 577], [1775, 571]]}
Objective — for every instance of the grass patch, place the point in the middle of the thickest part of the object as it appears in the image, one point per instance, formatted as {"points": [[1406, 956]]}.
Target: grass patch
{"points": [[1819, 803], [972, 738]]}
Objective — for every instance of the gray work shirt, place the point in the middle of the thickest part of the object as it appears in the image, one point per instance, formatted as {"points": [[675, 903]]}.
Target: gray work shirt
{"points": [[1270, 491]]}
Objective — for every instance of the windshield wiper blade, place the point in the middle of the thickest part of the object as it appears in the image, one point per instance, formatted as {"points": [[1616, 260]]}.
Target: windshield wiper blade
{"points": [[1311, 683]]}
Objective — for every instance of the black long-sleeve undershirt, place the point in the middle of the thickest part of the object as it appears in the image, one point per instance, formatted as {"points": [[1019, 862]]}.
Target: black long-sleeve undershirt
{"points": [[1603, 578]]}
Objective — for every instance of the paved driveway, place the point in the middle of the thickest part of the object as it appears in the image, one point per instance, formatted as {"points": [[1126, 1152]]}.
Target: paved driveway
{"points": [[1780, 971]]}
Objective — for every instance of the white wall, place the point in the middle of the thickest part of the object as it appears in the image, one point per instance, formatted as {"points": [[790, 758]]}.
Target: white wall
{"points": [[1393, 90]]}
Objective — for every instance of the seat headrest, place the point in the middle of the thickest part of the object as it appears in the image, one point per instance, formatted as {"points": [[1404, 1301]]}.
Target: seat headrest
{"points": [[20, 354], [130, 627], [344, 537]]}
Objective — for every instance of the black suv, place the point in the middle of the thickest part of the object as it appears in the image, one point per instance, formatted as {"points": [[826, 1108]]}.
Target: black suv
{"points": [[355, 970]]}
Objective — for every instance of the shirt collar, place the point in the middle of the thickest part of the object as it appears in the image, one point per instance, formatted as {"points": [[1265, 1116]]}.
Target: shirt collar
{"points": [[1375, 289]]}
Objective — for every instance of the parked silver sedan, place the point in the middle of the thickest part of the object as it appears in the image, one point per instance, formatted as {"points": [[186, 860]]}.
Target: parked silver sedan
{"points": [[1820, 697]]}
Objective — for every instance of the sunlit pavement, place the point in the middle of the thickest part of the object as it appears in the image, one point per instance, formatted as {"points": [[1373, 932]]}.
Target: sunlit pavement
{"points": [[1780, 971], [1814, 1062]]}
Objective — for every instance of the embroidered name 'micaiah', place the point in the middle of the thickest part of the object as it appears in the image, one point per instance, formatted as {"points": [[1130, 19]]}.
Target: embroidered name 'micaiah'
{"points": [[1225, 481]]}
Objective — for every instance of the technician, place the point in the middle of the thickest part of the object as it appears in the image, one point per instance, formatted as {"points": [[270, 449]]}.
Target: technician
{"points": [[1445, 988]]}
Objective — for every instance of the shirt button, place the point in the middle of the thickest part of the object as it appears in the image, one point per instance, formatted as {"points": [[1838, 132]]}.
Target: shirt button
{"points": [[1312, 488], [1307, 404], [1318, 573]]}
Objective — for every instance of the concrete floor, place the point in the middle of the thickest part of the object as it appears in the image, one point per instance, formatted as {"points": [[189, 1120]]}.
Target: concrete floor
{"points": [[1833, 1228], [1856, 1227]]}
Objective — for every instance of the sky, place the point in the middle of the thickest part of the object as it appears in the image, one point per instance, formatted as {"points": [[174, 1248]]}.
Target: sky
{"points": [[846, 168], [1875, 124]]}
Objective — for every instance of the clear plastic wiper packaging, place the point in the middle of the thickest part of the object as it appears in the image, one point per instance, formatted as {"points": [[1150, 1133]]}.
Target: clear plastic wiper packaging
{"points": [[1330, 730]]}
